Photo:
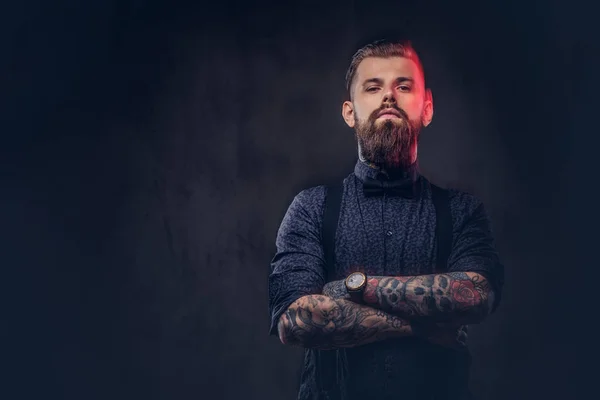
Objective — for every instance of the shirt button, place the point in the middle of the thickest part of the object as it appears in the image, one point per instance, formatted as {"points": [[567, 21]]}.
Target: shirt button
{"points": [[389, 233]]}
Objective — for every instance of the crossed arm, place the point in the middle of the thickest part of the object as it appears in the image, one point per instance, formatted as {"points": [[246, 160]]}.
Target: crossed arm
{"points": [[324, 322], [458, 297], [433, 306]]}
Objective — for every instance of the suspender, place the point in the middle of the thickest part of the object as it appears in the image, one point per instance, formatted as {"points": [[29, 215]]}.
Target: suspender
{"points": [[326, 360], [333, 202], [443, 226]]}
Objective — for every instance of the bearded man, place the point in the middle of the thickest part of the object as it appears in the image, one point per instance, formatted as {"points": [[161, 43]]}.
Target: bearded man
{"points": [[380, 298]]}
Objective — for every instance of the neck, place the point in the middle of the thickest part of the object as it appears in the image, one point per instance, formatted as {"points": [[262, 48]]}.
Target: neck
{"points": [[393, 173], [390, 169]]}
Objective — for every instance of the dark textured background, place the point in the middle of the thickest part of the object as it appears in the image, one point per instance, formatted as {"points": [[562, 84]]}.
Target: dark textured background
{"points": [[151, 148]]}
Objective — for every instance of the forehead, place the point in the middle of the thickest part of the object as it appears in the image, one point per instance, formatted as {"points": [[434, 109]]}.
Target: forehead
{"points": [[387, 68]]}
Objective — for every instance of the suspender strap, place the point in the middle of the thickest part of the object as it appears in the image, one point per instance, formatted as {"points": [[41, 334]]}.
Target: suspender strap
{"points": [[443, 227], [331, 215], [326, 360]]}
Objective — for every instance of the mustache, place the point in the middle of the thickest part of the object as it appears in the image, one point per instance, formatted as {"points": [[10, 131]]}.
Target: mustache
{"points": [[375, 114]]}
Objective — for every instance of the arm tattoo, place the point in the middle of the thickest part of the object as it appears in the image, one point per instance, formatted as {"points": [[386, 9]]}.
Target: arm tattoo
{"points": [[318, 321], [336, 290], [462, 296]]}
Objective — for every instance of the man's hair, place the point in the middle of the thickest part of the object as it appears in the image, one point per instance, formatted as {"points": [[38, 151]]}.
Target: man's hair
{"points": [[384, 48]]}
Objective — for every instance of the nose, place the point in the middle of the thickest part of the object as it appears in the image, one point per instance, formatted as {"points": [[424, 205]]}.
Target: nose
{"points": [[388, 97]]}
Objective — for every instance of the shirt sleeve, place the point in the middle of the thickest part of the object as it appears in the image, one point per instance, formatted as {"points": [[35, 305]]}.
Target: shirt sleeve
{"points": [[297, 269], [473, 251]]}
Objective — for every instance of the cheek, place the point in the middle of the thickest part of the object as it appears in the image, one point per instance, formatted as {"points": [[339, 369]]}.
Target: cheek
{"points": [[365, 107], [363, 113], [358, 116], [412, 108]]}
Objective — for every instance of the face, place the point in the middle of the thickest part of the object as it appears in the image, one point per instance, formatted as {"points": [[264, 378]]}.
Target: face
{"points": [[390, 105]]}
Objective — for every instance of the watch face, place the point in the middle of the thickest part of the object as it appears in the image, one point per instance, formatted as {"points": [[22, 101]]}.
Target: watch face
{"points": [[355, 280]]}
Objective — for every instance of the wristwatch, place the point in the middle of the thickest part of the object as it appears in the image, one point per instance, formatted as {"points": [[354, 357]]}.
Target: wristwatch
{"points": [[356, 283]]}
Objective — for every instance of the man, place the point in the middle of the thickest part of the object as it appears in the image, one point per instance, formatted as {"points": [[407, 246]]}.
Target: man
{"points": [[394, 322]]}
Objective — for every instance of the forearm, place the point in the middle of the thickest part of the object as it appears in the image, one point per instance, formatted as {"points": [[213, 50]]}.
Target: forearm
{"points": [[318, 321], [460, 297]]}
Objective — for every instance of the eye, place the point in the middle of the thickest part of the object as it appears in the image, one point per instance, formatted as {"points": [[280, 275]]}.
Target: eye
{"points": [[404, 88], [372, 89]]}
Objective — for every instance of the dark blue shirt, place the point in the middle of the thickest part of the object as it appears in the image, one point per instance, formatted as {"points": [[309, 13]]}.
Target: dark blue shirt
{"points": [[389, 236]]}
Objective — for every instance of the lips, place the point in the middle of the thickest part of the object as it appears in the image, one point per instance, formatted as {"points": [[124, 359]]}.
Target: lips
{"points": [[389, 113]]}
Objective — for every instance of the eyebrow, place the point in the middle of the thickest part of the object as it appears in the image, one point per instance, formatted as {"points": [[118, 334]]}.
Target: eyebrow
{"points": [[379, 81]]}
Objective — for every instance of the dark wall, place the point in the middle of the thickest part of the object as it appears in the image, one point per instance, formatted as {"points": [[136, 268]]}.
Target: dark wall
{"points": [[151, 149]]}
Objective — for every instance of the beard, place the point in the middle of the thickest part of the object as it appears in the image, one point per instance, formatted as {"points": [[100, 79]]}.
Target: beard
{"points": [[389, 143]]}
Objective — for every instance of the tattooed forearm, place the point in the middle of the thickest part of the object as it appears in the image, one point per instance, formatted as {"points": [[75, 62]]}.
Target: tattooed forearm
{"points": [[458, 296], [336, 290], [321, 322]]}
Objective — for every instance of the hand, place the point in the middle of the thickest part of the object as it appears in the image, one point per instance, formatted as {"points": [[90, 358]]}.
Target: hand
{"points": [[449, 336], [336, 290]]}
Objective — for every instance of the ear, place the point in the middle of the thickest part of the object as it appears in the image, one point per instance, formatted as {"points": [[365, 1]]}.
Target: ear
{"points": [[348, 113], [427, 108]]}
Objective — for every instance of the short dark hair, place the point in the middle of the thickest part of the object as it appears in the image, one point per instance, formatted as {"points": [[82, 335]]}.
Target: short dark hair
{"points": [[384, 48]]}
